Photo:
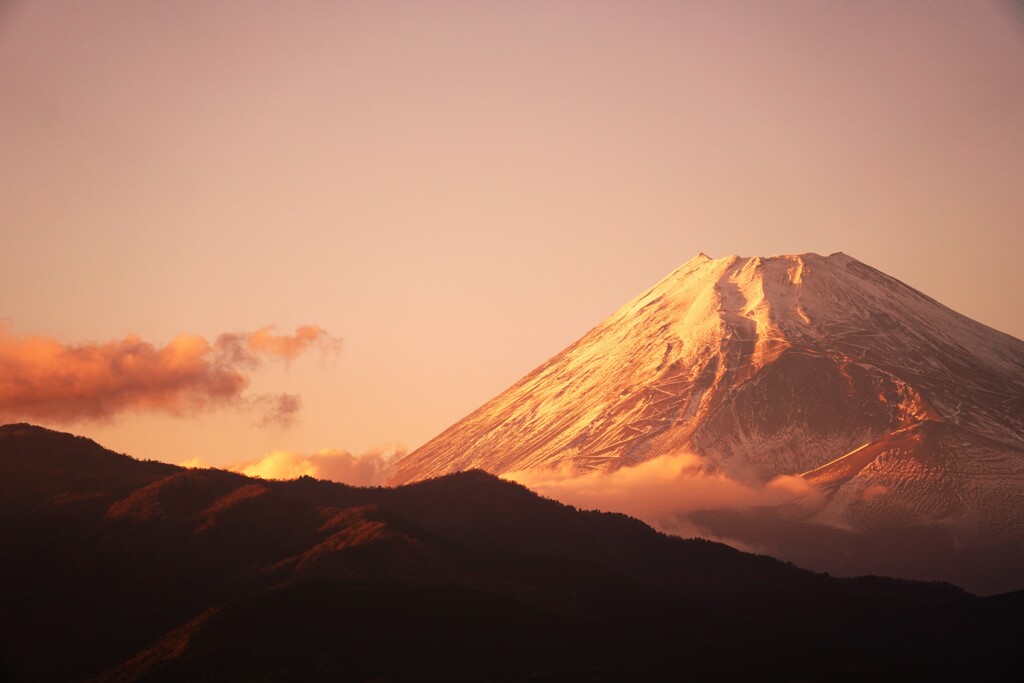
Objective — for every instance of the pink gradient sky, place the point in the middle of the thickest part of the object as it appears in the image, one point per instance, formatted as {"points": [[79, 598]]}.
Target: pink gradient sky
{"points": [[460, 189]]}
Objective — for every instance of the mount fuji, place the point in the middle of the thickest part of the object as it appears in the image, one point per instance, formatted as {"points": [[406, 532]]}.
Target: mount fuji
{"points": [[903, 416]]}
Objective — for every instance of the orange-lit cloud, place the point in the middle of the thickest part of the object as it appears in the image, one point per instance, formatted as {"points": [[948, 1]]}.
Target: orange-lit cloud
{"points": [[248, 348], [367, 469], [289, 346], [660, 491], [44, 379]]}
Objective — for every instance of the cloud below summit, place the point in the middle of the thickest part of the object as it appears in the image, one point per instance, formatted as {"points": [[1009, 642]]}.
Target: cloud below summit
{"points": [[44, 379], [661, 491]]}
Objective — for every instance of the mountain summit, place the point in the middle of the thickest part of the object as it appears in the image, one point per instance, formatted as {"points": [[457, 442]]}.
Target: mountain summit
{"points": [[896, 407]]}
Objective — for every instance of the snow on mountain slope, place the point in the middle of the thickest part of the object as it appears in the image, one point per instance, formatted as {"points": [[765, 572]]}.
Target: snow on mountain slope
{"points": [[903, 414], [764, 366], [906, 417]]}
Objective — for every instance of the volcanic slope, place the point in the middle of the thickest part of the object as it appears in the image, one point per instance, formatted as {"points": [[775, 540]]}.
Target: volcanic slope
{"points": [[898, 407]]}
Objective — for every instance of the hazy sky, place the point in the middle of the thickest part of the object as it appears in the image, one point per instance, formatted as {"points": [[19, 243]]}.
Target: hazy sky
{"points": [[460, 189]]}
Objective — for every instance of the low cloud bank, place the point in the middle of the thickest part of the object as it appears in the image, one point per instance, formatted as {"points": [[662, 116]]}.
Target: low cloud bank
{"points": [[371, 468], [661, 491], [44, 379], [678, 494]]}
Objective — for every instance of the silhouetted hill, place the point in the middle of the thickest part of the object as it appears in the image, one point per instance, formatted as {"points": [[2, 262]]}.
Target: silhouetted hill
{"points": [[125, 570]]}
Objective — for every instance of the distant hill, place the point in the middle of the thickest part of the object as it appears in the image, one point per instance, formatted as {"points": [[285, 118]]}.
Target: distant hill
{"points": [[117, 569]]}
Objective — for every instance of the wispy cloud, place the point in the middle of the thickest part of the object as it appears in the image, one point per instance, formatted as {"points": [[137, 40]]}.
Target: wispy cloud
{"points": [[44, 379], [265, 342], [276, 410]]}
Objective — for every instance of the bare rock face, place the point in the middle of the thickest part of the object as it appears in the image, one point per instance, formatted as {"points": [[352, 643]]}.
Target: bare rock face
{"points": [[894, 405]]}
